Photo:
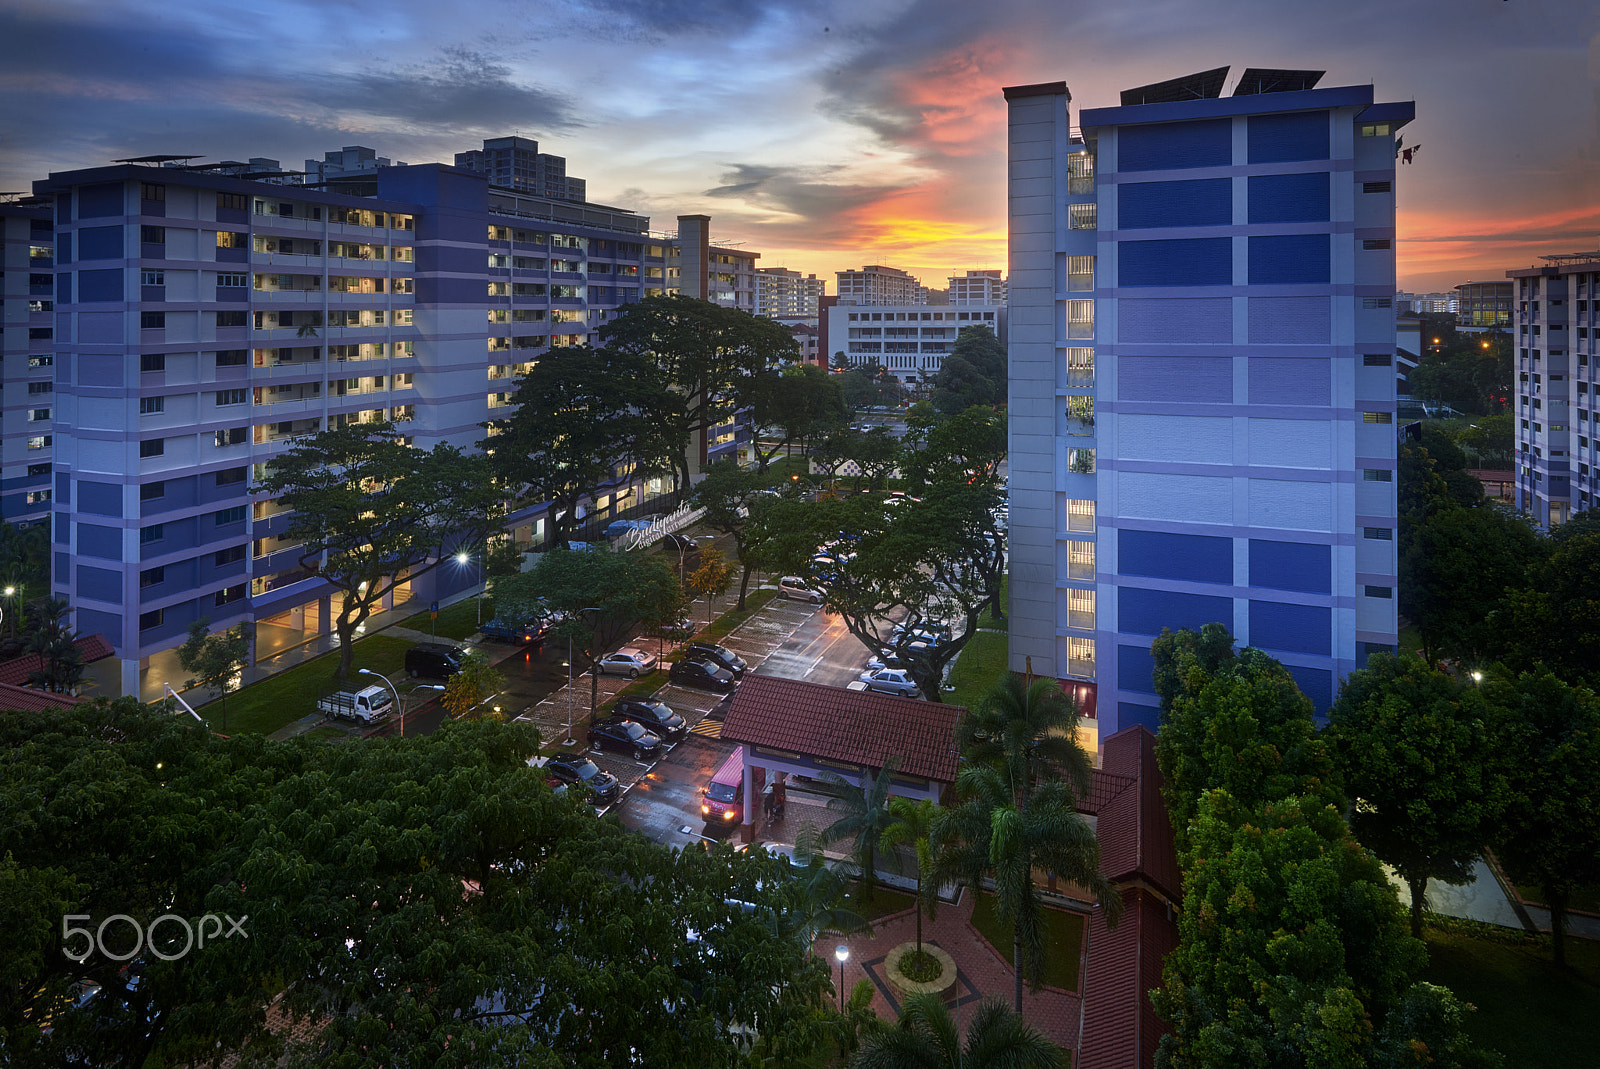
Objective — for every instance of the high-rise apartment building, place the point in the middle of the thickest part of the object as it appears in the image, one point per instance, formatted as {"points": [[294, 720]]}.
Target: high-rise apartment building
{"points": [[516, 163], [1202, 344], [1558, 393], [202, 323], [690, 263], [785, 294], [876, 284], [1482, 306], [27, 348], [977, 287]]}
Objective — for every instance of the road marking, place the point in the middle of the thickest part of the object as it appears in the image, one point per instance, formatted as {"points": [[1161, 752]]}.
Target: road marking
{"points": [[711, 729]]}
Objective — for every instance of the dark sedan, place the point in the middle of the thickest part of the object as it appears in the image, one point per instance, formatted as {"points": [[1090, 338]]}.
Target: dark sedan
{"points": [[624, 736], [656, 717], [575, 769], [690, 673], [718, 657]]}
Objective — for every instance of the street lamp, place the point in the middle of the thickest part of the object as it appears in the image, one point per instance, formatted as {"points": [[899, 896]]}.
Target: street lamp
{"points": [[462, 556], [570, 740], [842, 952], [393, 690]]}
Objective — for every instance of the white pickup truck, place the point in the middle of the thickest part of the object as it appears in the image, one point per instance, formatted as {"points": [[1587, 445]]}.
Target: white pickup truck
{"points": [[367, 705]]}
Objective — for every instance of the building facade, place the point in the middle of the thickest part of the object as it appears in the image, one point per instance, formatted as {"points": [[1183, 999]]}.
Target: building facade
{"points": [[785, 294], [909, 340], [977, 287], [203, 323], [27, 349], [1484, 306], [876, 284], [1557, 325], [1202, 346], [516, 163]]}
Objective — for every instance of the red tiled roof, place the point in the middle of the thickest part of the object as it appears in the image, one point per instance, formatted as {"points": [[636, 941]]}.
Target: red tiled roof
{"points": [[93, 648], [858, 727], [1134, 829], [27, 700], [16, 671], [1120, 1027]]}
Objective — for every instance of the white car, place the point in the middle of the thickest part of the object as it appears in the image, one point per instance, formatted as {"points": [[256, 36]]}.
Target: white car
{"points": [[891, 681], [627, 662], [794, 588]]}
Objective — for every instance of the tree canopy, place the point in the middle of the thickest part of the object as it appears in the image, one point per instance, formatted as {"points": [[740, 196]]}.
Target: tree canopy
{"points": [[973, 373]]}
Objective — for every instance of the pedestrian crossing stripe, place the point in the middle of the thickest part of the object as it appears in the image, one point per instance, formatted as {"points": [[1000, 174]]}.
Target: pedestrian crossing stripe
{"points": [[711, 729]]}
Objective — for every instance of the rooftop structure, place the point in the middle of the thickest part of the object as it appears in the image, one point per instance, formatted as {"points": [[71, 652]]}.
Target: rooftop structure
{"points": [[876, 284], [516, 163]]}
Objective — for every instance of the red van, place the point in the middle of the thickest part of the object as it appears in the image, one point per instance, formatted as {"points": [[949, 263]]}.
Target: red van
{"points": [[722, 802]]}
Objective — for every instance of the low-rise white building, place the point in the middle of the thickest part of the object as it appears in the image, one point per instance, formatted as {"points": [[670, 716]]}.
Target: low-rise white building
{"points": [[909, 340]]}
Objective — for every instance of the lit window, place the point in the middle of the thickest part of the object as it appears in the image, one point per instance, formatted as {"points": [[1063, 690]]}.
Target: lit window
{"points": [[1377, 417]]}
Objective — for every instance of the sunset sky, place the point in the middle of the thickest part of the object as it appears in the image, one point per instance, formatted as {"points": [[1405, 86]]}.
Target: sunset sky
{"points": [[824, 135]]}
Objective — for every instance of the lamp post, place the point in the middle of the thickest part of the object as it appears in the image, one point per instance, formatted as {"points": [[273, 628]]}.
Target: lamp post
{"points": [[462, 556], [842, 952], [393, 690]]}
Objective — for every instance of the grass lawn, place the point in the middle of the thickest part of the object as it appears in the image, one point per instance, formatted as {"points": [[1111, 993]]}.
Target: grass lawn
{"points": [[753, 602], [1528, 1010], [979, 667], [884, 902], [1063, 940], [458, 621], [265, 706], [1411, 639]]}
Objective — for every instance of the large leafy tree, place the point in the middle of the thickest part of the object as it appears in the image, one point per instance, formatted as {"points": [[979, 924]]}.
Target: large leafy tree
{"points": [[214, 660], [1418, 752], [727, 493], [713, 357], [802, 401], [1555, 620], [927, 1037], [582, 416], [974, 373], [1550, 835], [370, 512]]}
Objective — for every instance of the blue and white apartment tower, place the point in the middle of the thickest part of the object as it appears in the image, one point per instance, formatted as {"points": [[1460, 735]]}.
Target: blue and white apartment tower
{"points": [[1202, 382]]}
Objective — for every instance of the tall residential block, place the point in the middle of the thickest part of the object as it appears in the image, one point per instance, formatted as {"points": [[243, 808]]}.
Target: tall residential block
{"points": [[27, 347], [516, 163], [785, 294], [1558, 395], [977, 287], [1202, 347], [876, 284]]}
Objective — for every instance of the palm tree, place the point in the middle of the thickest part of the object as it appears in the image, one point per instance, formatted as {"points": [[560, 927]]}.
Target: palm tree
{"points": [[989, 834], [863, 814], [1029, 731], [927, 1038], [913, 823], [813, 900]]}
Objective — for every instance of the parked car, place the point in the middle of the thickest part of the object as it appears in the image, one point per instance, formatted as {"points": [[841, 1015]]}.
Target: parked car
{"points": [[932, 635], [891, 658], [627, 661], [655, 717], [795, 589], [576, 769], [720, 656], [891, 681], [700, 674], [625, 736], [434, 660], [514, 633]]}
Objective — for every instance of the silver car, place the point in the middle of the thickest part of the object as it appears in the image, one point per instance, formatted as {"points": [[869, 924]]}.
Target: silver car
{"points": [[891, 681], [627, 661]]}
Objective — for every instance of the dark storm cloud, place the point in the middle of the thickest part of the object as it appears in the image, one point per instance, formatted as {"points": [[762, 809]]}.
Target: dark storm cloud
{"points": [[663, 18], [797, 191], [461, 88]]}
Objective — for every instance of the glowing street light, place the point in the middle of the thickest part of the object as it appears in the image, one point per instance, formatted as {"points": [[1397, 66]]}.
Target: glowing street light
{"points": [[842, 952]]}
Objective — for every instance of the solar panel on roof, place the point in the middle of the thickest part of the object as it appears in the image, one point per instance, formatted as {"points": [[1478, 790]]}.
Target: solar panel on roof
{"points": [[1189, 87], [1273, 80]]}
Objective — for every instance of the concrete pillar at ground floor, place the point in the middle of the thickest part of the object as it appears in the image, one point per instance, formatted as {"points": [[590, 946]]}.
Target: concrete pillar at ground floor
{"points": [[325, 615], [747, 830], [128, 676]]}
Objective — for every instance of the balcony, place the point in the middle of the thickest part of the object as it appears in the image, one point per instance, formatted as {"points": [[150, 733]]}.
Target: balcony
{"points": [[286, 431]]}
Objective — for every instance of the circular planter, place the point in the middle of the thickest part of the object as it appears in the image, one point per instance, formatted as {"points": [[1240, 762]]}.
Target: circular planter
{"points": [[940, 985]]}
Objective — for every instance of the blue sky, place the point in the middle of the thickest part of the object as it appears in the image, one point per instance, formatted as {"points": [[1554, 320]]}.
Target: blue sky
{"points": [[826, 134]]}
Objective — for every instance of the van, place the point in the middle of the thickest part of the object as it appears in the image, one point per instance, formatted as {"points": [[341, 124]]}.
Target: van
{"points": [[722, 801], [435, 660]]}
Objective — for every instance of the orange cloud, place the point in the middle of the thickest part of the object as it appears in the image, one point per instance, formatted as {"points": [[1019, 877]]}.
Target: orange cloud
{"points": [[954, 95]]}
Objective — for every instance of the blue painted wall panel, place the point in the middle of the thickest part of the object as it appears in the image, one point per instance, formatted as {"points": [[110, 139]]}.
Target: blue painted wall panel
{"points": [[1289, 320], [1288, 381], [100, 200], [1291, 628], [1160, 146], [1192, 379], [97, 541], [1175, 320], [1179, 262], [103, 285], [95, 622], [100, 499], [64, 248], [1207, 202], [1135, 669], [1290, 198], [101, 584], [100, 243], [1146, 612], [1291, 259], [1131, 713], [1290, 136], [451, 290], [64, 287], [1164, 555], [1300, 566], [1316, 684]]}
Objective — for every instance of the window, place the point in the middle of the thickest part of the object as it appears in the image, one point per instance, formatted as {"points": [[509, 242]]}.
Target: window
{"points": [[152, 191], [1080, 274], [235, 201], [1377, 475], [1380, 129], [38, 415], [231, 436], [153, 362], [152, 577], [228, 556], [1371, 244], [153, 235], [231, 594], [152, 278], [1377, 417], [235, 318], [152, 447], [155, 532], [227, 516], [35, 470], [41, 333], [232, 357], [1380, 591], [1377, 360], [1081, 217], [38, 497], [1380, 534], [230, 476], [39, 441], [1377, 302], [150, 619], [152, 491], [153, 320], [41, 387], [231, 397], [233, 279], [1375, 187], [46, 360], [149, 406], [227, 239]]}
